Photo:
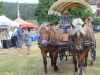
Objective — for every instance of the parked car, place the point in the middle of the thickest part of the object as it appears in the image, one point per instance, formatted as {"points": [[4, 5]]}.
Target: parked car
{"points": [[97, 28]]}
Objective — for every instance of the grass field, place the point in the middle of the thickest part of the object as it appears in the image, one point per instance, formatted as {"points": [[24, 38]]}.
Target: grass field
{"points": [[11, 64], [33, 22]]}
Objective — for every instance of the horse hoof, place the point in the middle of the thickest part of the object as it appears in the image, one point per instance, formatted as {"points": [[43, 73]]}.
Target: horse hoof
{"points": [[45, 74], [52, 68], [81, 74], [85, 68], [91, 63], [76, 73], [56, 68]]}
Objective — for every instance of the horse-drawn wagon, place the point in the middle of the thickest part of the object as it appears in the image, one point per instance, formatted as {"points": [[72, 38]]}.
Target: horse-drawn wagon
{"points": [[58, 9], [78, 42]]}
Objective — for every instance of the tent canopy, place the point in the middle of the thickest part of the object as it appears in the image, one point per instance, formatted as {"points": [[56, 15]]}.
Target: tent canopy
{"points": [[21, 21], [4, 21], [60, 6], [25, 24]]}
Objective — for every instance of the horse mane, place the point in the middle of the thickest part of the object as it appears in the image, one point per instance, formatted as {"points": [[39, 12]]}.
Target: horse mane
{"points": [[44, 25], [77, 23]]}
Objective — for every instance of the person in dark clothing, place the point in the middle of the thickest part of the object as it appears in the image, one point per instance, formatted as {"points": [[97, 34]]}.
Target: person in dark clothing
{"points": [[14, 38]]}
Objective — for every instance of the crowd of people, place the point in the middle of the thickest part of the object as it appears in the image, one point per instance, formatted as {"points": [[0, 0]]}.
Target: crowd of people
{"points": [[17, 37]]}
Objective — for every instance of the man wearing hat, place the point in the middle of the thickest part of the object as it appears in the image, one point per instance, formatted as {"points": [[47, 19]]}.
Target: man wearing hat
{"points": [[65, 22]]}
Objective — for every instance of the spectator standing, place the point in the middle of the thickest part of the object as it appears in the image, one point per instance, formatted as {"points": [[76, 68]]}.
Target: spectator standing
{"points": [[10, 33], [36, 32], [14, 37], [0, 40], [28, 41], [33, 33], [20, 35]]}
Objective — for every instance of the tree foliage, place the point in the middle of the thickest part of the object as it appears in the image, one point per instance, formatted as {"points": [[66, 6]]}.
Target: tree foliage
{"points": [[79, 12], [1, 5], [41, 12], [26, 13], [96, 21]]}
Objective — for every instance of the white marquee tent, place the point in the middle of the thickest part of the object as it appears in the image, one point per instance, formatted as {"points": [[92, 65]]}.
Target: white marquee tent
{"points": [[4, 21]]}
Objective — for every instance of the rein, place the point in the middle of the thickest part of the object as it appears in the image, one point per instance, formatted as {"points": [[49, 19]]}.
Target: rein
{"points": [[86, 41], [50, 41]]}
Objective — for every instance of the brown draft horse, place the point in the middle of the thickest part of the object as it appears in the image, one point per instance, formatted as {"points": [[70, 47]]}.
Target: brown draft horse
{"points": [[80, 32], [48, 34]]}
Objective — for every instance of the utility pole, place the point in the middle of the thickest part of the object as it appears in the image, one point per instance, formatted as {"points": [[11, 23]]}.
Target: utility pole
{"points": [[18, 14]]}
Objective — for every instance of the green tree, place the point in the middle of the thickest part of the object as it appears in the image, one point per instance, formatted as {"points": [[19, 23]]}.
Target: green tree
{"points": [[23, 16], [26, 12], [86, 0], [41, 12], [80, 12], [96, 21], [12, 15], [1, 5]]}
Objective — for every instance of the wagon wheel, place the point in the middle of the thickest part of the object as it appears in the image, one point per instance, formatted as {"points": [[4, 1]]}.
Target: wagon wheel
{"points": [[61, 54], [93, 53]]}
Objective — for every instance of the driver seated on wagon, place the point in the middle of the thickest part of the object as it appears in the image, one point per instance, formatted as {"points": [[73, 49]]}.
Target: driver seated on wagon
{"points": [[65, 22]]}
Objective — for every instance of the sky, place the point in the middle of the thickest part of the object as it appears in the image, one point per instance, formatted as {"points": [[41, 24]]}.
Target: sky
{"points": [[21, 1]]}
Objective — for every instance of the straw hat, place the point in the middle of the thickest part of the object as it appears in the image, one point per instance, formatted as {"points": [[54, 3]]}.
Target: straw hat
{"points": [[66, 11]]}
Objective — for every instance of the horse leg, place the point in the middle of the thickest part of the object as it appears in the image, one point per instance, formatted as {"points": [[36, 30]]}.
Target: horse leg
{"points": [[44, 62], [75, 63], [81, 62], [51, 56], [81, 69], [86, 56], [45, 65], [55, 61]]}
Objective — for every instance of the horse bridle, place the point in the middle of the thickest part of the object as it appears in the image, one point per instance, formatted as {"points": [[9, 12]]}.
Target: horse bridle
{"points": [[73, 43], [49, 39]]}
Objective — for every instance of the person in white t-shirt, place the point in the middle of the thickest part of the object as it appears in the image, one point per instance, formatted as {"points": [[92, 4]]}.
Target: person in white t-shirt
{"points": [[0, 41], [9, 35]]}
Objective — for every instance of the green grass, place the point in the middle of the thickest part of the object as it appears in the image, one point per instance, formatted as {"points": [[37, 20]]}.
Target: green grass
{"points": [[11, 64], [33, 22]]}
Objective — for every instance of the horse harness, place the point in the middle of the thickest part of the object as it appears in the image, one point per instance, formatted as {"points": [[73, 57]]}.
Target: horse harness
{"points": [[70, 41], [50, 42], [86, 41]]}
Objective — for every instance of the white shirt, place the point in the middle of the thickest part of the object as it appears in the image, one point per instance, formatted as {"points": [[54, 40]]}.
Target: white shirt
{"points": [[10, 34], [0, 44], [15, 31]]}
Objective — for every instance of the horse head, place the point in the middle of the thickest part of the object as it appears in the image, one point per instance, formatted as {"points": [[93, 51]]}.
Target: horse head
{"points": [[44, 32], [77, 32]]}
